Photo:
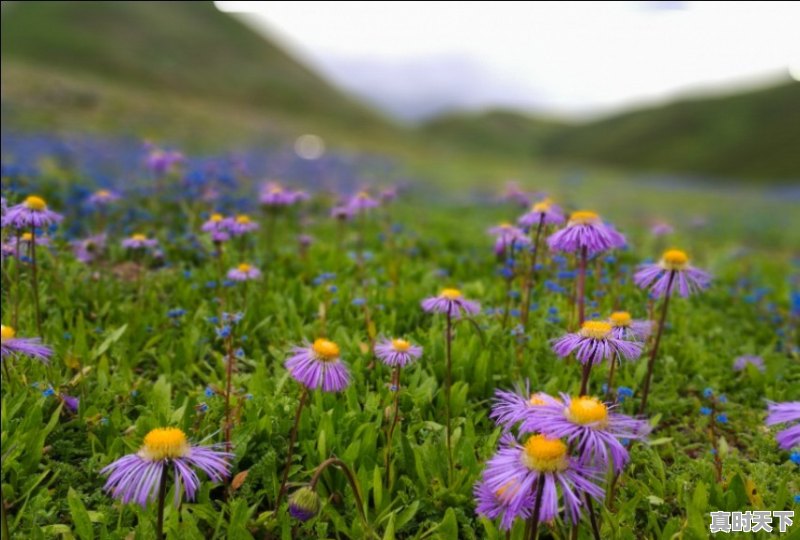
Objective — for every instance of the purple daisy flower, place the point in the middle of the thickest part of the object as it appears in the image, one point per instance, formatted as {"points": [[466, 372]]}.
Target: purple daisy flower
{"points": [[31, 213], [509, 408], [26, 239], [661, 229], [70, 402], [161, 162], [787, 412], [13, 346], [244, 272], [672, 269], [389, 194], [625, 327], [318, 365], [543, 211], [102, 197], [218, 226], [741, 362], [139, 241], [507, 237], [590, 424], [397, 352], [595, 342], [361, 202], [136, 477], [452, 302], [273, 194], [512, 479], [513, 193], [242, 225], [88, 249], [341, 213], [585, 230]]}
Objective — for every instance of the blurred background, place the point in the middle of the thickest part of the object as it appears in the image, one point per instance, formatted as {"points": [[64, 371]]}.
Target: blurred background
{"points": [[701, 96]]}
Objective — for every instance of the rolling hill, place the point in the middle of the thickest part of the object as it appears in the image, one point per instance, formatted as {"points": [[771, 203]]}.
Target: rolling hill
{"points": [[173, 47], [754, 135]]}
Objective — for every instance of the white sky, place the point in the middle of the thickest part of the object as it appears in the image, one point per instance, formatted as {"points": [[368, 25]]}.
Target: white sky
{"points": [[562, 58]]}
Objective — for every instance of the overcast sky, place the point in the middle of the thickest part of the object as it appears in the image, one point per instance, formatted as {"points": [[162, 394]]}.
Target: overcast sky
{"points": [[414, 59]]}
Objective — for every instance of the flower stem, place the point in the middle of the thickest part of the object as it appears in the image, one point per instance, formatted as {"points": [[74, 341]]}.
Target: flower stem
{"points": [[395, 415], [351, 479], [162, 497], [582, 287], [654, 351], [230, 360], [592, 517], [610, 382], [17, 272], [292, 439], [35, 278], [526, 303], [533, 532], [447, 383]]}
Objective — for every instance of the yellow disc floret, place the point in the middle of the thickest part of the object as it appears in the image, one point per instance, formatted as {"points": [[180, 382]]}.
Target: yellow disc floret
{"points": [[400, 345], [544, 454], [450, 294], [243, 219], [595, 329], [35, 202], [103, 193], [244, 268], [542, 206], [216, 218], [587, 410], [26, 237], [325, 349], [139, 237], [582, 217], [164, 443], [674, 259], [620, 318], [6, 332]]}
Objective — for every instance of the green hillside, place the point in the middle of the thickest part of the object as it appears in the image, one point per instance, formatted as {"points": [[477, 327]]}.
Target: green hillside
{"points": [[504, 132], [186, 47], [751, 135]]}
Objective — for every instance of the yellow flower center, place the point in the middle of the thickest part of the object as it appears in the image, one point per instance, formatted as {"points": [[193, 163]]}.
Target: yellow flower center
{"points": [[400, 345], [244, 267], [275, 190], [35, 203], [595, 329], [583, 217], [26, 237], [451, 294], [505, 225], [103, 193], [216, 218], [544, 454], [620, 318], [587, 410], [138, 237], [542, 206], [243, 219], [674, 259], [362, 195], [164, 443], [325, 349], [536, 399], [507, 491], [6, 332]]}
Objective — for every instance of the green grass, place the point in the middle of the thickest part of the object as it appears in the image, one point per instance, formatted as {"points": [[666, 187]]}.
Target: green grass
{"points": [[134, 370]]}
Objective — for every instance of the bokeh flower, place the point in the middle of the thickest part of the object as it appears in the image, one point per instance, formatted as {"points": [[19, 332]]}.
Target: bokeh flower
{"points": [[31, 213], [397, 352], [244, 272], [788, 413], [13, 346], [585, 230], [545, 212], [625, 327], [672, 271], [452, 302]]}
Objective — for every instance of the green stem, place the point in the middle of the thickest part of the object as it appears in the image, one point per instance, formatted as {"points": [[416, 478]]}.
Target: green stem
{"points": [[351, 479], [292, 439], [447, 384]]}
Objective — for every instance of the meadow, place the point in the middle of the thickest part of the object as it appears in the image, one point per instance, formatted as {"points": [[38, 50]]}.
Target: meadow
{"points": [[149, 329]]}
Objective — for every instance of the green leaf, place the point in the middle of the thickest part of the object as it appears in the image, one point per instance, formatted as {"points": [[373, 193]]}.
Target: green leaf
{"points": [[80, 517]]}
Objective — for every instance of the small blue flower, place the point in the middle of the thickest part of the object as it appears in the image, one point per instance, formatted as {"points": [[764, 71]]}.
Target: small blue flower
{"points": [[48, 392], [209, 392], [797, 499], [202, 407], [223, 332], [705, 411], [708, 393], [624, 392], [359, 301], [213, 319], [211, 284], [722, 418], [333, 289], [722, 398], [176, 312]]}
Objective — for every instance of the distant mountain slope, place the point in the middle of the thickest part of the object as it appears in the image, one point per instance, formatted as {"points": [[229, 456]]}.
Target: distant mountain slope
{"points": [[498, 131], [187, 47], [750, 135]]}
